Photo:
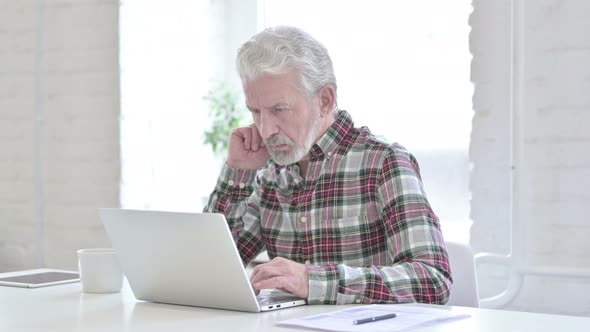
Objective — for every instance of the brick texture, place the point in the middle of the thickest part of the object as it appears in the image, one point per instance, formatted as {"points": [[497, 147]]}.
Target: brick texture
{"points": [[555, 173], [58, 64]]}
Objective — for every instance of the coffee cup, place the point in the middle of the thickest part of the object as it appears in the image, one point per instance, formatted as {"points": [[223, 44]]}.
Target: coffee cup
{"points": [[100, 271]]}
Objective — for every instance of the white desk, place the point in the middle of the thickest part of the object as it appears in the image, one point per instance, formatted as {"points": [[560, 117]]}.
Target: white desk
{"points": [[65, 308]]}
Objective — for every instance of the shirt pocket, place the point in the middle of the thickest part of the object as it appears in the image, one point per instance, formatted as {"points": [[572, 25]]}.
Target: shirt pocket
{"points": [[341, 241]]}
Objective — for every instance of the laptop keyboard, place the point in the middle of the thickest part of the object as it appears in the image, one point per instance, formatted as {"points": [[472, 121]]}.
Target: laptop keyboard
{"points": [[274, 297]]}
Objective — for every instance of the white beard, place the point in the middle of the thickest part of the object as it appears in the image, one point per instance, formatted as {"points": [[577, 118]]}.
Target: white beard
{"points": [[295, 153]]}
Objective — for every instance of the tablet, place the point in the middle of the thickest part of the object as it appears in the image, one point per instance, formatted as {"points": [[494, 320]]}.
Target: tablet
{"points": [[38, 278]]}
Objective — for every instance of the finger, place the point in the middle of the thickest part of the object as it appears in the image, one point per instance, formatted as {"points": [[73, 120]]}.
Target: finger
{"points": [[283, 274], [275, 282], [237, 135], [261, 272], [247, 134], [254, 274], [255, 138], [275, 267]]}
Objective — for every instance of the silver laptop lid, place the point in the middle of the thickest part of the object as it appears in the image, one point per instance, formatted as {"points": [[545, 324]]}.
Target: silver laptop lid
{"points": [[180, 258]]}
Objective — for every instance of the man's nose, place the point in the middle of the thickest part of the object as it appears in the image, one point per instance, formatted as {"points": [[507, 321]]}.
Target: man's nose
{"points": [[267, 126]]}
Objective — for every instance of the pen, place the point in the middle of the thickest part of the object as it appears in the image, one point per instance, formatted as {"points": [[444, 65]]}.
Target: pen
{"points": [[373, 319]]}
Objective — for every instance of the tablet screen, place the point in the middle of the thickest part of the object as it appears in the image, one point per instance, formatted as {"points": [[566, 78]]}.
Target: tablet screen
{"points": [[41, 278]]}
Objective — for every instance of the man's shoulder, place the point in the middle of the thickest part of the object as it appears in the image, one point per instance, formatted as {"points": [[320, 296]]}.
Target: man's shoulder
{"points": [[367, 142]]}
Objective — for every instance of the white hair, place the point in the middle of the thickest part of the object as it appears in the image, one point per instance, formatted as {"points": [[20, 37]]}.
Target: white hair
{"points": [[279, 49]]}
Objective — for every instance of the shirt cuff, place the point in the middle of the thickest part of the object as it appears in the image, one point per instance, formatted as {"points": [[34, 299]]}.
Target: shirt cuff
{"points": [[234, 182], [323, 284]]}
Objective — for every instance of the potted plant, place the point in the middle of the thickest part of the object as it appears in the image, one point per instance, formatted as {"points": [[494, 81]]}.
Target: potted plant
{"points": [[226, 114]]}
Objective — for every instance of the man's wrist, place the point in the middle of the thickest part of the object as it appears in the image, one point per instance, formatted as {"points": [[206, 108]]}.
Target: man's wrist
{"points": [[241, 166], [323, 284], [235, 181]]}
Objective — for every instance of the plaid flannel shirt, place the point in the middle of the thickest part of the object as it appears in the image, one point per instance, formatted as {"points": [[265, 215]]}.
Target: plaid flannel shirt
{"points": [[359, 219]]}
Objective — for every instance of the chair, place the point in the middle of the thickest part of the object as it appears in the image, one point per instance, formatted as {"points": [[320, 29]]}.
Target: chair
{"points": [[464, 290]]}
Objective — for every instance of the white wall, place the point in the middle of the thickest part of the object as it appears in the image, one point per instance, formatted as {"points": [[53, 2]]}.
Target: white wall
{"points": [[59, 131], [539, 67], [59, 61]]}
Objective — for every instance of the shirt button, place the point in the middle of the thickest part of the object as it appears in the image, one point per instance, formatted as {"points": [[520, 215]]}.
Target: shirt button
{"points": [[358, 301], [230, 182], [322, 299], [242, 185], [307, 262], [296, 181], [303, 219], [330, 154]]}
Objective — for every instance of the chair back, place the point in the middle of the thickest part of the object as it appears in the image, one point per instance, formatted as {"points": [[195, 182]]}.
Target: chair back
{"points": [[464, 290]]}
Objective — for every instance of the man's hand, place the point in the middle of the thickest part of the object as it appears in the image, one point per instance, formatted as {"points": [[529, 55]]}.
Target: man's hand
{"points": [[282, 274], [246, 149]]}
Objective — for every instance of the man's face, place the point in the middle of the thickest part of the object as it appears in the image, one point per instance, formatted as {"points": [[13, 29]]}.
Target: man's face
{"points": [[287, 119]]}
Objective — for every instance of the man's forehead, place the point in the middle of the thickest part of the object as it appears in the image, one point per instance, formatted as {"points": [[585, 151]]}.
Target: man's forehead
{"points": [[269, 96], [255, 104]]}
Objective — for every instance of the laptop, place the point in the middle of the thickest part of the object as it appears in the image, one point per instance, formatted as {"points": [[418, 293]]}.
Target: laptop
{"points": [[186, 259]]}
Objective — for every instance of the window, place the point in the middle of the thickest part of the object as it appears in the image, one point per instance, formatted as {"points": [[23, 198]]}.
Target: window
{"points": [[403, 70], [168, 52]]}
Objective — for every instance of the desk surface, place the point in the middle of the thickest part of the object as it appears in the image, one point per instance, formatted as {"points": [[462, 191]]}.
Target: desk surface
{"points": [[65, 308]]}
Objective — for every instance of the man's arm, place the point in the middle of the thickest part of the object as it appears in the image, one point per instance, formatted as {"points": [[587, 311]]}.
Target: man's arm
{"points": [[420, 271], [234, 196]]}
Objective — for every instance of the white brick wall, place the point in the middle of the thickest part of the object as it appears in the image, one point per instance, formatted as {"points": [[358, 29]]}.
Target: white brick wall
{"points": [[556, 171], [78, 77]]}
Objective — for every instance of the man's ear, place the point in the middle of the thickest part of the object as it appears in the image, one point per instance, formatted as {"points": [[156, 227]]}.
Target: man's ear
{"points": [[327, 99]]}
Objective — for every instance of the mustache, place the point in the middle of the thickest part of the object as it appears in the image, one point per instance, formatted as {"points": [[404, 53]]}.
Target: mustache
{"points": [[278, 140]]}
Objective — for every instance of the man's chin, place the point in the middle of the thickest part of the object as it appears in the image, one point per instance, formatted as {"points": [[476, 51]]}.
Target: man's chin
{"points": [[283, 159], [283, 162]]}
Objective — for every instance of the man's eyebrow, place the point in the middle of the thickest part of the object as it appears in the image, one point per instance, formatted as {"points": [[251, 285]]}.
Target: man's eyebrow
{"points": [[280, 104], [277, 105]]}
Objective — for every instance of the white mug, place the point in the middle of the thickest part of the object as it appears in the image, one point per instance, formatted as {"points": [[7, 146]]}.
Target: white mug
{"points": [[100, 271]]}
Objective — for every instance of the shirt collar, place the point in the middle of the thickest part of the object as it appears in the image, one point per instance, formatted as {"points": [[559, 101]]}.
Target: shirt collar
{"points": [[329, 143]]}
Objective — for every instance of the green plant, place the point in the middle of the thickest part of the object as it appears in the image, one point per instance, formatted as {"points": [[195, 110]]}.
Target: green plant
{"points": [[226, 114]]}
